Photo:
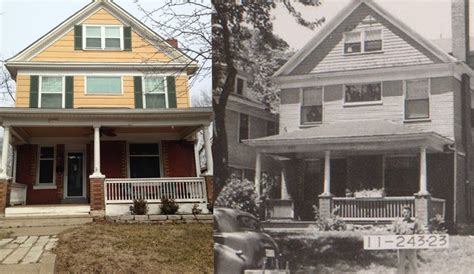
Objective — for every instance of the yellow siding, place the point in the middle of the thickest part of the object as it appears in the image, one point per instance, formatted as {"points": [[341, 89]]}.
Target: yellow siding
{"points": [[23, 91], [182, 99], [82, 100], [102, 17], [63, 49]]}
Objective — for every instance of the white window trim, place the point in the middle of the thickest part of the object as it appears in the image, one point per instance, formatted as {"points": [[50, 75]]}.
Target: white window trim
{"points": [[86, 86], [362, 41], [365, 103], [312, 124], [45, 185], [160, 155], [63, 92], [165, 85], [102, 37], [414, 120], [238, 127]]}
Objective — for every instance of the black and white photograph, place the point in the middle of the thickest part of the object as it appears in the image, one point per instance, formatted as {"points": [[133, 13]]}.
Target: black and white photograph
{"points": [[343, 136]]}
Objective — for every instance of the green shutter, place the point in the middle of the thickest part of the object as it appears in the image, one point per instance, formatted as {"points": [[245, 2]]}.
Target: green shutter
{"points": [[171, 84], [69, 91], [137, 85], [34, 89], [127, 38], [78, 37]]}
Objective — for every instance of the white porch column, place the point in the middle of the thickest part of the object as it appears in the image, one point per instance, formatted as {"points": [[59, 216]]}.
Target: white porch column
{"points": [[197, 159], [327, 173], [97, 172], [284, 190], [207, 147], [6, 142], [258, 173], [423, 180]]}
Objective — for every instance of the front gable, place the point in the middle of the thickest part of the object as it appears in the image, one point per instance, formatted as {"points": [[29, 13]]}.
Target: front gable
{"points": [[400, 45], [58, 44], [62, 50]]}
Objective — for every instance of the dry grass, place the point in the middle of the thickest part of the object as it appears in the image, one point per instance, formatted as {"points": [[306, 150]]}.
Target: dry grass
{"points": [[136, 248]]}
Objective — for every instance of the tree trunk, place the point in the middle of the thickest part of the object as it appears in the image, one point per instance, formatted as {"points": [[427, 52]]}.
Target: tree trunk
{"points": [[219, 149]]}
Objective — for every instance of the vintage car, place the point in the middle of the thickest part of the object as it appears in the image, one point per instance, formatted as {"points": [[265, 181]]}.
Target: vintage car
{"points": [[241, 246]]}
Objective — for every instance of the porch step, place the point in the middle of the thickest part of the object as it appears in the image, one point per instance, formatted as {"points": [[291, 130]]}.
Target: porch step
{"points": [[44, 221], [48, 210]]}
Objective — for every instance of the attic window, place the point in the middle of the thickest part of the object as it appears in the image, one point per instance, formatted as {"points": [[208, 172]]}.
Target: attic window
{"points": [[103, 37], [371, 39]]}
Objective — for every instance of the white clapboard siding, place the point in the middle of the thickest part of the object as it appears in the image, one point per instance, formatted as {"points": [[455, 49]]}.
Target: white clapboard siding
{"points": [[396, 52]]}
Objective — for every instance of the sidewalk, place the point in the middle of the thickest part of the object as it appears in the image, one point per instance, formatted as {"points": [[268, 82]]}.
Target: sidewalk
{"points": [[28, 250]]}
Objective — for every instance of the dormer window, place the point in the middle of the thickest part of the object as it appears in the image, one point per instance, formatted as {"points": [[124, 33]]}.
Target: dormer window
{"points": [[362, 41], [103, 37]]}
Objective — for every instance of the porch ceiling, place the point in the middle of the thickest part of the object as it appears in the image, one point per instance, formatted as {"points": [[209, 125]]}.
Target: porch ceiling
{"points": [[356, 137]]}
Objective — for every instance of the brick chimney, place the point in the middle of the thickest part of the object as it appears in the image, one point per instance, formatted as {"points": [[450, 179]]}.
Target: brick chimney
{"points": [[460, 29], [173, 42]]}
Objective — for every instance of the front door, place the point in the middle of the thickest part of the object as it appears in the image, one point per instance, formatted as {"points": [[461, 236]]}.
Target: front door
{"points": [[75, 175]]}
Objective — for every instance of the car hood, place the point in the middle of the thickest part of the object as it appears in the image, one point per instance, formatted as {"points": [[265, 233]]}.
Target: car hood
{"points": [[251, 243]]}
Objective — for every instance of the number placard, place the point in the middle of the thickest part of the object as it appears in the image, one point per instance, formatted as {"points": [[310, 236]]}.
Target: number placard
{"points": [[416, 241]]}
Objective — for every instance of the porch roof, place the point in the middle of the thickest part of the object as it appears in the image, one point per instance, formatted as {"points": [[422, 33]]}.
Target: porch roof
{"points": [[105, 117], [352, 135]]}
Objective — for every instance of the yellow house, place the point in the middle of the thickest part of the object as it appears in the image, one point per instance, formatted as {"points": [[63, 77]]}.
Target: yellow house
{"points": [[102, 117]]}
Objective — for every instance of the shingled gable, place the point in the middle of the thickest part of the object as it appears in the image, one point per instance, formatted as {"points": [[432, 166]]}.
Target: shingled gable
{"points": [[305, 60], [177, 56]]}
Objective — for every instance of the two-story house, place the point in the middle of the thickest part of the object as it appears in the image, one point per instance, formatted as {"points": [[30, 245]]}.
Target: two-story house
{"points": [[246, 118], [370, 104], [102, 117]]}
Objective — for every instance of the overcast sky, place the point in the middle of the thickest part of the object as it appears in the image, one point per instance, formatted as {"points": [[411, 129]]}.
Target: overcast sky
{"points": [[430, 18]]}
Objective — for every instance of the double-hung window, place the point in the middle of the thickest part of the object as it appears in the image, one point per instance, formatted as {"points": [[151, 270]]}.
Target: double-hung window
{"points": [[106, 85], [144, 160], [239, 89], [51, 92], [417, 99], [312, 106], [361, 41], [103, 37], [46, 166], [244, 127], [154, 92], [363, 93]]}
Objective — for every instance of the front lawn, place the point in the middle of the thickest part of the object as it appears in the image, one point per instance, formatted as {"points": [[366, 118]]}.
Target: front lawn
{"points": [[336, 252], [137, 248]]}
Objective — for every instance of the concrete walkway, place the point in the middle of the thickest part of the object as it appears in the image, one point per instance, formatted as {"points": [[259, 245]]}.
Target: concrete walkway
{"points": [[28, 250]]}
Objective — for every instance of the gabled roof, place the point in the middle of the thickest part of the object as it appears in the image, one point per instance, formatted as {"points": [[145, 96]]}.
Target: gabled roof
{"points": [[323, 33], [122, 15]]}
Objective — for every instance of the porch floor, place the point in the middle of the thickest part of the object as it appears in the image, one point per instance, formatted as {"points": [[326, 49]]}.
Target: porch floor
{"points": [[77, 210]]}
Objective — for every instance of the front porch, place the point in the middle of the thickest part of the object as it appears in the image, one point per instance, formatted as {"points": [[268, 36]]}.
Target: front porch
{"points": [[341, 174], [104, 159]]}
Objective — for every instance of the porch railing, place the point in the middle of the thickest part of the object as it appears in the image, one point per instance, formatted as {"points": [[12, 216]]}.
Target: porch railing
{"points": [[18, 194], [372, 208], [152, 190]]}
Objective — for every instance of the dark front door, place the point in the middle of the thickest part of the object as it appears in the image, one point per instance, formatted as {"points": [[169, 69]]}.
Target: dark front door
{"points": [[75, 174]]}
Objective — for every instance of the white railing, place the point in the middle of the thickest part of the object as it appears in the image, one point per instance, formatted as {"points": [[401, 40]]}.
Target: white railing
{"points": [[18, 194], [372, 208], [152, 190]]}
